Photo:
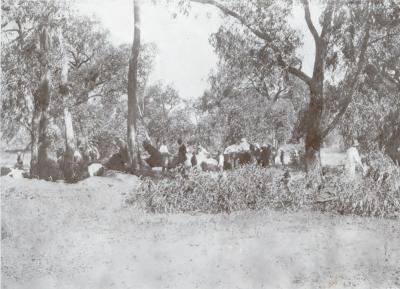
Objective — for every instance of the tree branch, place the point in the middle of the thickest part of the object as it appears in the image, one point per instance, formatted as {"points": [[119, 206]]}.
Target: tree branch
{"points": [[326, 23], [79, 102], [299, 73], [390, 78], [309, 22], [241, 19], [280, 90], [350, 90], [294, 71], [83, 62], [263, 92], [11, 30], [383, 37]]}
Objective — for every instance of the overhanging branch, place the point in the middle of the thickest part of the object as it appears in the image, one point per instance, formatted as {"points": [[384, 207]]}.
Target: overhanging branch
{"points": [[349, 92], [299, 73], [383, 37], [294, 71], [235, 15]]}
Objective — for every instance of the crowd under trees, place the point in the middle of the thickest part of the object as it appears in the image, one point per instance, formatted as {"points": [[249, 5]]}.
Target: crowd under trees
{"points": [[66, 85]]}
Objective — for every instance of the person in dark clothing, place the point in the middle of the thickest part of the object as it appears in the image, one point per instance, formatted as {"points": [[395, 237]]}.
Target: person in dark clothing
{"points": [[181, 152], [155, 159], [119, 160], [265, 156], [193, 160], [20, 163], [181, 159]]}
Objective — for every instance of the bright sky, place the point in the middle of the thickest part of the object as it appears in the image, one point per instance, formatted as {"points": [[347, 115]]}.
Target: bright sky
{"points": [[185, 56]]}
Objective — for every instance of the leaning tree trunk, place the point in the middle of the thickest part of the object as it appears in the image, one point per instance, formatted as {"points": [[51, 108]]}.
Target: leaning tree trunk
{"points": [[132, 92], [40, 120], [69, 135]]}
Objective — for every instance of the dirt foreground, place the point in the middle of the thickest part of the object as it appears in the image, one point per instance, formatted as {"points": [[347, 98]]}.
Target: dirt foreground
{"points": [[85, 236]]}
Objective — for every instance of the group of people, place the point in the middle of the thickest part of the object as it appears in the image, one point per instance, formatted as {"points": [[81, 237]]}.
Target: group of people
{"points": [[231, 157], [243, 152], [240, 153], [166, 155]]}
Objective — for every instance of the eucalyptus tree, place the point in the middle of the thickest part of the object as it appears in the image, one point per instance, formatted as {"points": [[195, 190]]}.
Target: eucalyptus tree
{"points": [[157, 108], [29, 72], [39, 39], [244, 104], [133, 148], [374, 116], [347, 32]]}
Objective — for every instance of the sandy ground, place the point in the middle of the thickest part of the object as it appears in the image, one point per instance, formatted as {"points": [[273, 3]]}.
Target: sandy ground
{"points": [[85, 236]]}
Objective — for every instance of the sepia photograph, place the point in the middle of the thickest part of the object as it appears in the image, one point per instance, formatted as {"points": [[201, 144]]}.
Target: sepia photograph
{"points": [[210, 144]]}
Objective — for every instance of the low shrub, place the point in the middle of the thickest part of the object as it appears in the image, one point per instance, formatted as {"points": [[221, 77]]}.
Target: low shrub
{"points": [[362, 199], [253, 187], [249, 187], [377, 194]]}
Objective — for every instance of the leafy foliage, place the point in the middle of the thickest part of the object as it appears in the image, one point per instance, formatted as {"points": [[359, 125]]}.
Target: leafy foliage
{"points": [[235, 107], [258, 40], [245, 188], [253, 188], [97, 78]]}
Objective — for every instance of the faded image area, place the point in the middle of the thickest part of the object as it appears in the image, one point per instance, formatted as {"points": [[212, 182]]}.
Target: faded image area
{"points": [[200, 144]]}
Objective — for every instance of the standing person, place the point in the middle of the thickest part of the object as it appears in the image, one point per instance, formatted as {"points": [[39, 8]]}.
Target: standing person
{"points": [[221, 161], [182, 157], [164, 155], [244, 152], [353, 160], [20, 163], [181, 152], [265, 155], [282, 157], [193, 160], [295, 158]]}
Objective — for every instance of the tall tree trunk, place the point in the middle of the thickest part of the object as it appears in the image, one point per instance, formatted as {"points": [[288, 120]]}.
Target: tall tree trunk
{"points": [[35, 142], [68, 170], [40, 141], [44, 141], [132, 91], [313, 137], [314, 134], [69, 135]]}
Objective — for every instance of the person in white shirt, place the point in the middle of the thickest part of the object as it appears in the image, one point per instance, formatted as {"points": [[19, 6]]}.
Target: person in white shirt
{"points": [[164, 155], [244, 145], [220, 161], [353, 160]]}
